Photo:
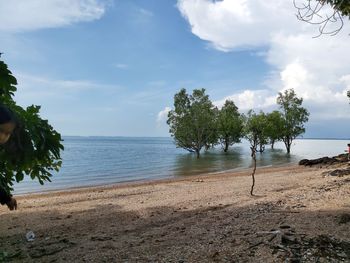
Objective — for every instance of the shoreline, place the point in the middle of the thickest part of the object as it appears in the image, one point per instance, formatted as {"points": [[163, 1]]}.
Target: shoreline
{"points": [[231, 172], [78, 173]]}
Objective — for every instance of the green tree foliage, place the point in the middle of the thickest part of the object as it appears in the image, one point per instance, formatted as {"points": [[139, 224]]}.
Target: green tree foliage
{"points": [[34, 147], [193, 121], [212, 139], [274, 127], [230, 125], [255, 130], [294, 116]]}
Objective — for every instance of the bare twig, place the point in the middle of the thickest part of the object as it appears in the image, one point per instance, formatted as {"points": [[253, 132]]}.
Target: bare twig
{"points": [[254, 169], [313, 14]]}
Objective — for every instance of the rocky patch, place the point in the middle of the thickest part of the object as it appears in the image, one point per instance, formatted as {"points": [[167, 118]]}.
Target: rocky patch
{"points": [[341, 158]]}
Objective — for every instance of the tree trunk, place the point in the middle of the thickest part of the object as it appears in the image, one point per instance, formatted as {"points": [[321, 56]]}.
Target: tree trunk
{"points": [[254, 169], [288, 144], [198, 153], [272, 143], [226, 146], [261, 148]]}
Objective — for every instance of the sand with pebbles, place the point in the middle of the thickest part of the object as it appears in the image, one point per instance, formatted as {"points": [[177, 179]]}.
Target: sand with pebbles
{"points": [[297, 215]]}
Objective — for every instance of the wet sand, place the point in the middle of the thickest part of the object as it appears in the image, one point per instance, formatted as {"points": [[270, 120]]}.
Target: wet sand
{"points": [[296, 212]]}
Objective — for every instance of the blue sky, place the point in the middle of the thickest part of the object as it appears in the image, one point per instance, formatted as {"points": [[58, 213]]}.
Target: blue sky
{"points": [[112, 67]]}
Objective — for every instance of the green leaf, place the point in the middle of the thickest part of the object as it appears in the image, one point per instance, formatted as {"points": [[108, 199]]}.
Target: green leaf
{"points": [[34, 148]]}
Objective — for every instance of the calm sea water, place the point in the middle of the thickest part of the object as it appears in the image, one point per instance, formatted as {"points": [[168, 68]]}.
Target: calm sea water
{"points": [[106, 160]]}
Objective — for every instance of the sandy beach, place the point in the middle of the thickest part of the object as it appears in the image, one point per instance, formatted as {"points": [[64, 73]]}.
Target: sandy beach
{"points": [[299, 214]]}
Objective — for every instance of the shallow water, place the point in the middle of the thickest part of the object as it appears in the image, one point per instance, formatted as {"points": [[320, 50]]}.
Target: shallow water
{"points": [[105, 160]]}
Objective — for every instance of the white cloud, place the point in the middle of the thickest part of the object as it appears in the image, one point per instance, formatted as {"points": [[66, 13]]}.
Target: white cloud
{"points": [[162, 116], [317, 68], [346, 80], [231, 24], [294, 76], [249, 99], [26, 15]]}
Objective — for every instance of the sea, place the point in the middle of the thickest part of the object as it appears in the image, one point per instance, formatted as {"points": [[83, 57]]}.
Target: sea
{"points": [[94, 161]]}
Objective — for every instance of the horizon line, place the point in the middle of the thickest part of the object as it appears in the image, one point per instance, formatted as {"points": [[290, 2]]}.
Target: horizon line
{"points": [[145, 136]]}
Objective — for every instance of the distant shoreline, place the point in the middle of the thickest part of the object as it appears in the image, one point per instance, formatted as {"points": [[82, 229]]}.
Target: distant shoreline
{"points": [[326, 139], [232, 172], [165, 137]]}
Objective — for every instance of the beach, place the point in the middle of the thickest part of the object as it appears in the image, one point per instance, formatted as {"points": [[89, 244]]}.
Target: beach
{"points": [[296, 213]]}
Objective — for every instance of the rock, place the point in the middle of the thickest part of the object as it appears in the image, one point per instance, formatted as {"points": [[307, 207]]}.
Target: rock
{"points": [[303, 162], [324, 160]]}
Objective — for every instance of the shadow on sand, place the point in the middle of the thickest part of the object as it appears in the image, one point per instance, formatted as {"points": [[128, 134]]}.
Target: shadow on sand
{"points": [[263, 232]]}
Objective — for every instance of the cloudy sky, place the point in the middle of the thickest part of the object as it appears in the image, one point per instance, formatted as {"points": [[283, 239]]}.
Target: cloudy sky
{"points": [[104, 67]]}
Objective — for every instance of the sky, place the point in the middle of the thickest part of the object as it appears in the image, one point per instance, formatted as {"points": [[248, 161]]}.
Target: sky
{"points": [[112, 67]]}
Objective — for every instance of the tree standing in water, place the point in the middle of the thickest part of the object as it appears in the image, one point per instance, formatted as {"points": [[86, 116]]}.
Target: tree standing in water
{"points": [[294, 116], [230, 125], [192, 122]]}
